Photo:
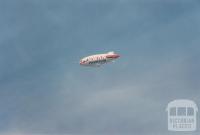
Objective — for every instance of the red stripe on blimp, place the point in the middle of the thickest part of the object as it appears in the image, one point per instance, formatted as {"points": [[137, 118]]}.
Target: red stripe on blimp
{"points": [[113, 56]]}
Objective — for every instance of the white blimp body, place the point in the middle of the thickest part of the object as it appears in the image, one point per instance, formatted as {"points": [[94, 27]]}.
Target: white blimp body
{"points": [[99, 59]]}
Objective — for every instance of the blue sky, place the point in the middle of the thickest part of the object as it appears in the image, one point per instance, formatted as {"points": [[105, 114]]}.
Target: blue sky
{"points": [[44, 90]]}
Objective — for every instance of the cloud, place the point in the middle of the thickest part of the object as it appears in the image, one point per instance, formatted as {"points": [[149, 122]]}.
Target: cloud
{"points": [[43, 89]]}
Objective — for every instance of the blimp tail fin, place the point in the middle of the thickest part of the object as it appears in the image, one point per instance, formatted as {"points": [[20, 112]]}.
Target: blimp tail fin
{"points": [[111, 52]]}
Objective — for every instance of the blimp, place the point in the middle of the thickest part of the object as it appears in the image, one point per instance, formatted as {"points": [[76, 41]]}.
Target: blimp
{"points": [[99, 59]]}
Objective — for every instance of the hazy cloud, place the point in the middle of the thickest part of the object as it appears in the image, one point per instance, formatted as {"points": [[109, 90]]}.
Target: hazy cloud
{"points": [[44, 91]]}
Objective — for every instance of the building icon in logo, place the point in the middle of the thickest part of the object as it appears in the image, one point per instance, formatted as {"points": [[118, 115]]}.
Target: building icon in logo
{"points": [[182, 115]]}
